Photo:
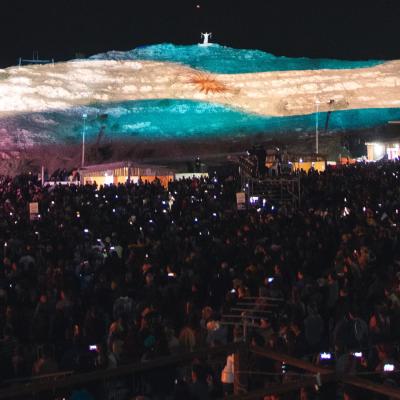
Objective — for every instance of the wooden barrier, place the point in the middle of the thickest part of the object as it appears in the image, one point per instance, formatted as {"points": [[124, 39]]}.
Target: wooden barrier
{"points": [[391, 392], [294, 362], [34, 387], [241, 350], [365, 384]]}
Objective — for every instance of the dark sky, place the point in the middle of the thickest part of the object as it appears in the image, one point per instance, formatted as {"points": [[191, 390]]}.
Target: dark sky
{"points": [[339, 29]]}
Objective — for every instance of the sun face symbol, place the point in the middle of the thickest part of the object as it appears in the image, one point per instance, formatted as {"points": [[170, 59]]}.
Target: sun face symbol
{"points": [[207, 84]]}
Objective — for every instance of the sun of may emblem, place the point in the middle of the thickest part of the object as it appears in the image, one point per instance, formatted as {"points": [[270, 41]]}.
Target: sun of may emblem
{"points": [[207, 83]]}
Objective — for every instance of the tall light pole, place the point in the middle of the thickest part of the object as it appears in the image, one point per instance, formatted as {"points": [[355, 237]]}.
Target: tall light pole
{"points": [[84, 116], [317, 103]]}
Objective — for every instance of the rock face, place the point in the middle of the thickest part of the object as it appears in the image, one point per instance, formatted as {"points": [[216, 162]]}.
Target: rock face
{"points": [[226, 60], [132, 99]]}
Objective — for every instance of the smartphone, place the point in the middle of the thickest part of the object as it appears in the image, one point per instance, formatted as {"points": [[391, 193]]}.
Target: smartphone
{"points": [[93, 347], [171, 275], [388, 367], [325, 356], [270, 280], [357, 354]]}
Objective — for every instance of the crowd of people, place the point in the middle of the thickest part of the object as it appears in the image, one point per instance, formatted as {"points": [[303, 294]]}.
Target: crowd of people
{"points": [[105, 276]]}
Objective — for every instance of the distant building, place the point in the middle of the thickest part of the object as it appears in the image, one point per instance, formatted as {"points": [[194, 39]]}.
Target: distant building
{"points": [[34, 60], [389, 149], [121, 172]]}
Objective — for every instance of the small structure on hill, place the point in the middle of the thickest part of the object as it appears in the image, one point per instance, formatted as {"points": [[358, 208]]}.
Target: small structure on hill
{"points": [[125, 171]]}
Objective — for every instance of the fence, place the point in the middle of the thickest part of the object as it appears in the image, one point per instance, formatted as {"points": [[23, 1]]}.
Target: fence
{"points": [[304, 375], [60, 385]]}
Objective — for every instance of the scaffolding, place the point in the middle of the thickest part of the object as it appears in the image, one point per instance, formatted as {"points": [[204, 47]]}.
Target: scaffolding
{"points": [[35, 60], [281, 187], [281, 190]]}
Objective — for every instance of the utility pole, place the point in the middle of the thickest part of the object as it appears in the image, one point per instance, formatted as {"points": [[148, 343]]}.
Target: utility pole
{"points": [[84, 116], [317, 103]]}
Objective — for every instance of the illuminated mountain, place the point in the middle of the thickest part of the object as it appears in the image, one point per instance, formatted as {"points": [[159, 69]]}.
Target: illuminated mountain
{"points": [[184, 92]]}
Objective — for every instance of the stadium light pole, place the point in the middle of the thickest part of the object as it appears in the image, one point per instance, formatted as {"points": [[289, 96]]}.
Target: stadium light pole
{"points": [[84, 116]]}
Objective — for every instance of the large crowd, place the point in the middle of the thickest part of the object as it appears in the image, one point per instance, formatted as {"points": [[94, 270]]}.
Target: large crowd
{"points": [[105, 276]]}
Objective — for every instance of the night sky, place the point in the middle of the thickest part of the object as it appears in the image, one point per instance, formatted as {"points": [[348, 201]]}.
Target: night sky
{"points": [[335, 29]]}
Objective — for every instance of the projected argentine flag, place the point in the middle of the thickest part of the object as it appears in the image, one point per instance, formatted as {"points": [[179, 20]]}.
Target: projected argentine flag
{"points": [[180, 92]]}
